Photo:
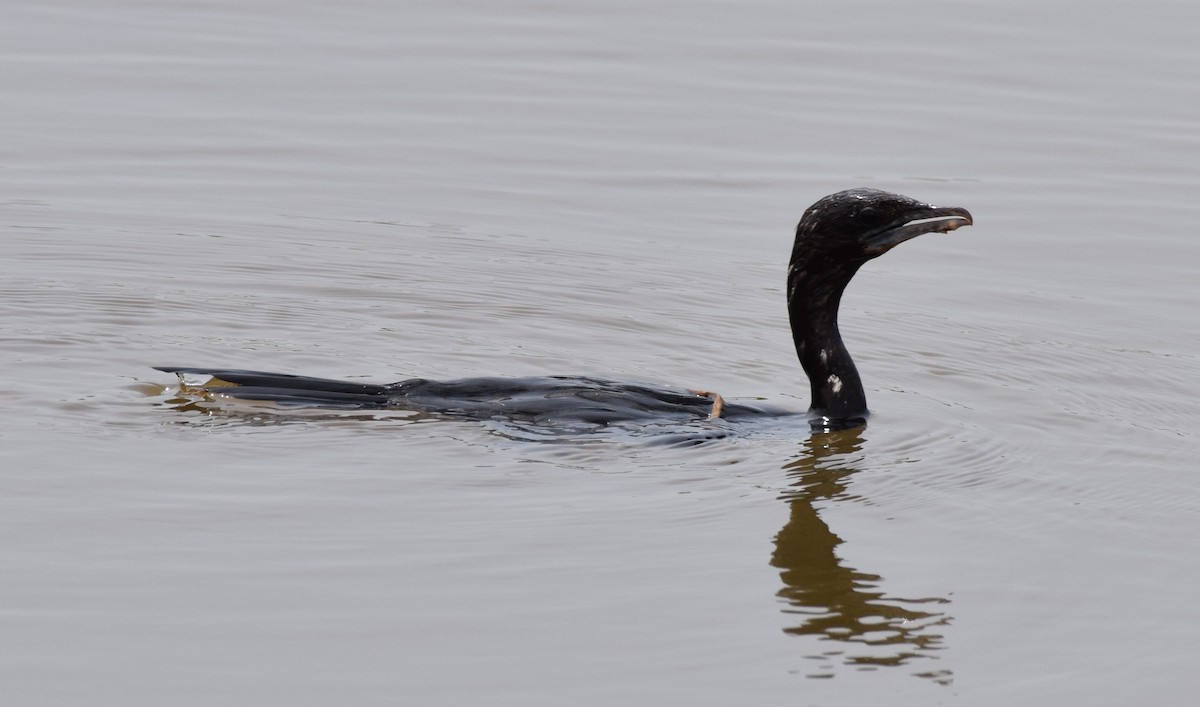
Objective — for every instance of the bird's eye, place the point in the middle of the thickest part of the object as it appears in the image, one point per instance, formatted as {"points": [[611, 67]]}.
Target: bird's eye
{"points": [[868, 216]]}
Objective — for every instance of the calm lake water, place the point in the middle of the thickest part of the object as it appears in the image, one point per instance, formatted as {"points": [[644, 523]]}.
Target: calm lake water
{"points": [[376, 190]]}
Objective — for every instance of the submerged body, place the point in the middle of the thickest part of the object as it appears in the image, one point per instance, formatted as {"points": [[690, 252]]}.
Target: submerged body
{"points": [[834, 238], [541, 400]]}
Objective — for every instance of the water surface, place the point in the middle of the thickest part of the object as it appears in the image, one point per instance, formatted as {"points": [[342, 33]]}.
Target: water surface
{"points": [[377, 191]]}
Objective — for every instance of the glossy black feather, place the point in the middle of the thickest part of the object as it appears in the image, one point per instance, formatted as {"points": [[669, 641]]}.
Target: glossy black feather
{"points": [[835, 237]]}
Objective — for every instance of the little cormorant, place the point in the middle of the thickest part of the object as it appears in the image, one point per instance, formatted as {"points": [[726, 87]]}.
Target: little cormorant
{"points": [[835, 237]]}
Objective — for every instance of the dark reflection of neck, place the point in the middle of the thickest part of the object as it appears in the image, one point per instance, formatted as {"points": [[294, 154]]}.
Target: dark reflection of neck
{"points": [[840, 604]]}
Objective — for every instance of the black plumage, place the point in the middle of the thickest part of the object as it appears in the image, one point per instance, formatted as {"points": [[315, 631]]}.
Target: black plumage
{"points": [[834, 238]]}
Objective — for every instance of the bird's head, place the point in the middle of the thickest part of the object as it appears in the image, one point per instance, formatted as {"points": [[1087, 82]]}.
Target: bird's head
{"points": [[851, 227]]}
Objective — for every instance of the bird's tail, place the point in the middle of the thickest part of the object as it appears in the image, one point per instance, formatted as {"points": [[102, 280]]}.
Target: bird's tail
{"points": [[284, 388]]}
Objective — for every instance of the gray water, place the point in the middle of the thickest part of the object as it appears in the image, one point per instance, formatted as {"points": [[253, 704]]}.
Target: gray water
{"points": [[375, 191]]}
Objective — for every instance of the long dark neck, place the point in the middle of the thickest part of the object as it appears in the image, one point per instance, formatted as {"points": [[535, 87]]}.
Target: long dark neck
{"points": [[814, 294]]}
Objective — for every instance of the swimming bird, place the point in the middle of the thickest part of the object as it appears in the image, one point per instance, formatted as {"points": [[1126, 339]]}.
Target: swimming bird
{"points": [[835, 237]]}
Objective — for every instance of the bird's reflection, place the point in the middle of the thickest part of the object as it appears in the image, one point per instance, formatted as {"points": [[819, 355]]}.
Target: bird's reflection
{"points": [[848, 609]]}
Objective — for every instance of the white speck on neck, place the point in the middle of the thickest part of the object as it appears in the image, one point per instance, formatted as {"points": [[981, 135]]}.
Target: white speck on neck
{"points": [[836, 383]]}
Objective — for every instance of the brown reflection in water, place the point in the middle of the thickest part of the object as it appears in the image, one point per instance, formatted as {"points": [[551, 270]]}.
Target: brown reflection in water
{"points": [[843, 606]]}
